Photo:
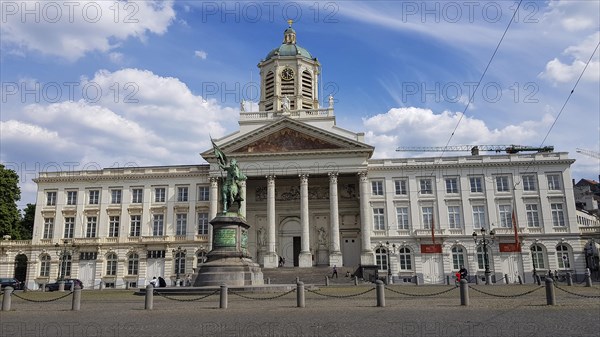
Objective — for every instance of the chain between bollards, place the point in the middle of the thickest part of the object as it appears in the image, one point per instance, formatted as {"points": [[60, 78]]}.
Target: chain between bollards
{"points": [[464, 292], [380, 289], [300, 294], [6, 299], [550, 298], [149, 301], [223, 297], [76, 302]]}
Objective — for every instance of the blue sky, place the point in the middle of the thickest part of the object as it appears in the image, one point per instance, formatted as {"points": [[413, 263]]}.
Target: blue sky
{"points": [[109, 84]]}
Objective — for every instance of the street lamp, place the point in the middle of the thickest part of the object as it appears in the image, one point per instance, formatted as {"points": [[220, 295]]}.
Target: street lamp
{"points": [[388, 249], [177, 252], [67, 250], [485, 242]]}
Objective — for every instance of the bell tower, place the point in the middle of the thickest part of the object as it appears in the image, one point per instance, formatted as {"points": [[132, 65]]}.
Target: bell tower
{"points": [[289, 77]]}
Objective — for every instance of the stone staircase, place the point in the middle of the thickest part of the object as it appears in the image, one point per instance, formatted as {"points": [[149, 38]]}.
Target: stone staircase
{"points": [[313, 275]]}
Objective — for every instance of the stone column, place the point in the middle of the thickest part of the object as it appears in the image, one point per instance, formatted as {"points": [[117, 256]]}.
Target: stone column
{"points": [[366, 255], [242, 210], [270, 260], [305, 259], [335, 255], [214, 204]]}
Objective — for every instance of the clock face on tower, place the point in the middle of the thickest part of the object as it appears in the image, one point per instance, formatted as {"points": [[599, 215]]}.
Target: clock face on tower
{"points": [[287, 74]]}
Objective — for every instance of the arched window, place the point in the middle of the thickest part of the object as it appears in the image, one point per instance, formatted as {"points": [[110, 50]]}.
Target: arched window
{"points": [[405, 257], [381, 258], [45, 265], [480, 258], [458, 257], [201, 255], [133, 264], [180, 263], [562, 255], [537, 257], [111, 264]]}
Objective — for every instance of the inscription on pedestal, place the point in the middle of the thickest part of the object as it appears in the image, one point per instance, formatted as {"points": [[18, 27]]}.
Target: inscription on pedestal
{"points": [[224, 237]]}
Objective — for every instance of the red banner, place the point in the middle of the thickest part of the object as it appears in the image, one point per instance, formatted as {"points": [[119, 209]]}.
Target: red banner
{"points": [[509, 247], [435, 248]]}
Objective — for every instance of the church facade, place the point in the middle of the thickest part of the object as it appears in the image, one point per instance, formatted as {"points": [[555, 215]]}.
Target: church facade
{"points": [[314, 197]]}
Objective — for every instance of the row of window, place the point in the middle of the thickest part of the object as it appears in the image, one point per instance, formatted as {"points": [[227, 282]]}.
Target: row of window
{"points": [[133, 262], [135, 225], [479, 217], [476, 184], [459, 257], [137, 195]]}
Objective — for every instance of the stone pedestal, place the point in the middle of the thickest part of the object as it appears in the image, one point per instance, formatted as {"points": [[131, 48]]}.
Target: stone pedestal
{"points": [[322, 256], [270, 260], [229, 262], [336, 259], [305, 260]]}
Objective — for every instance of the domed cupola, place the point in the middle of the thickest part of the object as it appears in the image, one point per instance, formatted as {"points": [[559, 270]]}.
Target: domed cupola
{"points": [[289, 76]]}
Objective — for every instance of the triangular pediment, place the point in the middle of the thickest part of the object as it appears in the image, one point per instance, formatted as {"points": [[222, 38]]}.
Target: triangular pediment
{"points": [[287, 140]]}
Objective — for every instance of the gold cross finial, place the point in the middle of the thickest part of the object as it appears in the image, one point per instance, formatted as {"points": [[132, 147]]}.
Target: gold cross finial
{"points": [[290, 21]]}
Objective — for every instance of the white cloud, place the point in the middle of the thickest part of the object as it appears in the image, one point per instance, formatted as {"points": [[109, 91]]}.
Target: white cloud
{"points": [[558, 71], [70, 30], [115, 57], [201, 54]]}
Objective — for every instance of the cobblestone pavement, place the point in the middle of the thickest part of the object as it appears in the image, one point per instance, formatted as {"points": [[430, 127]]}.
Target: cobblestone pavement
{"points": [[331, 312]]}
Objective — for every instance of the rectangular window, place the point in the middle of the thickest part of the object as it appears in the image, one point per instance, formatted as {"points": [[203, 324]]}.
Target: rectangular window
{"points": [[529, 183], [554, 182], [115, 196], [402, 216], [69, 227], [113, 226], [377, 187], [451, 185], [92, 224], [158, 225], [454, 217], [476, 184], [558, 218], [203, 193], [94, 197], [156, 254], [135, 225], [51, 198], [378, 219], [400, 187], [533, 217], [137, 196], [180, 224], [502, 184], [202, 223], [159, 194], [427, 216], [479, 217], [71, 197], [505, 213], [426, 186], [48, 228], [182, 194]]}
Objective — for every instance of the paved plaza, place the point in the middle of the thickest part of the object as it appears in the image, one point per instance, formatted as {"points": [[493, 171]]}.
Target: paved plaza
{"points": [[498, 310]]}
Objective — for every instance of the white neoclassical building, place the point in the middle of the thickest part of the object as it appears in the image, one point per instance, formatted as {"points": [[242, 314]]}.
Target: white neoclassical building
{"points": [[314, 196]]}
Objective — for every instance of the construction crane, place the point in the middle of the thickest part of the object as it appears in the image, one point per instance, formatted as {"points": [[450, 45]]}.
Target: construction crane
{"points": [[510, 149], [589, 153]]}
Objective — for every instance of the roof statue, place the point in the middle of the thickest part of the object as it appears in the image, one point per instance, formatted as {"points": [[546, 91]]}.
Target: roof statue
{"points": [[232, 186]]}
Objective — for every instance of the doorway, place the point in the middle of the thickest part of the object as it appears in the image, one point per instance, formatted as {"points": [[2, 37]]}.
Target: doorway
{"points": [[290, 241], [433, 268], [297, 247], [351, 251], [21, 267]]}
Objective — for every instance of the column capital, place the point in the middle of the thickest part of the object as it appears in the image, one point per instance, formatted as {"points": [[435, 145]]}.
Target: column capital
{"points": [[213, 180], [270, 177], [303, 178], [363, 175], [333, 176]]}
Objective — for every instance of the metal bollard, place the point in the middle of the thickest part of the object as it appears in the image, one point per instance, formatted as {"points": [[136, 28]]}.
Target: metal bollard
{"points": [[380, 289], [417, 280], [506, 278], [447, 279], [268, 280], [127, 283], [149, 303], [569, 279], [61, 286], [101, 286], [327, 281], [355, 280], [297, 279], [520, 279], [464, 292], [550, 299], [588, 278], [477, 280], [223, 297], [76, 303], [6, 299], [300, 294], [43, 287], [538, 280]]}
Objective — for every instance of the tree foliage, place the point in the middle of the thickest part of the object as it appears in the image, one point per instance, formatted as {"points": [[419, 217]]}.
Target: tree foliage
{"points": [[10, 193], [26, 224]]}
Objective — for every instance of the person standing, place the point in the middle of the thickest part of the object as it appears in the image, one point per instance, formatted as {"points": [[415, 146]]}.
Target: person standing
{"points": [[335, 273]]}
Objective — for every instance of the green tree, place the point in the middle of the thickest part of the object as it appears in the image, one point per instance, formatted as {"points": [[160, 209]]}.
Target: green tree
{"points": [[26, 224], [10, 193]]}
